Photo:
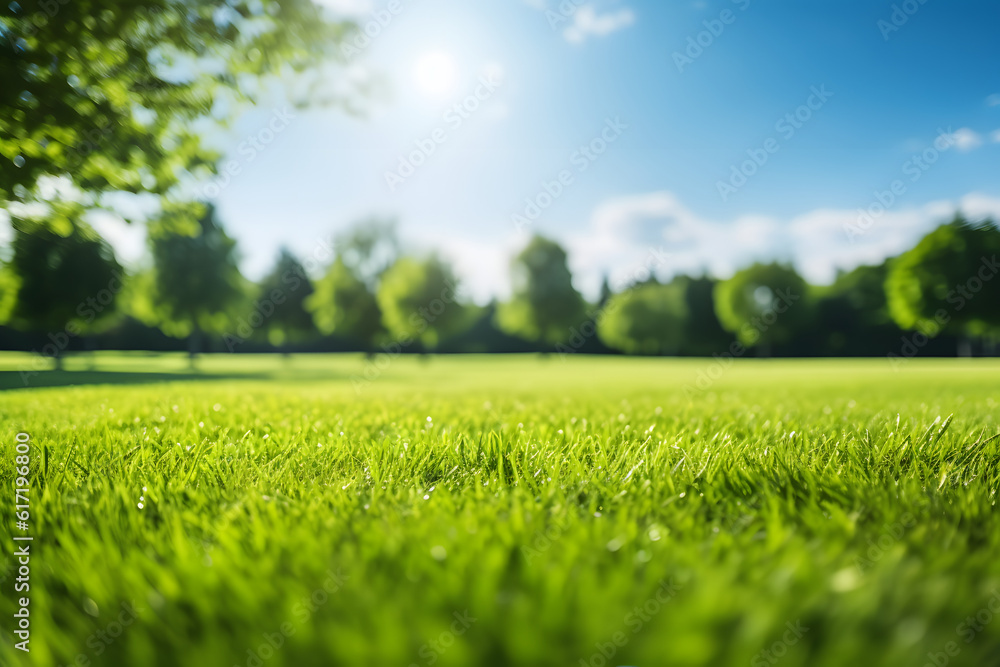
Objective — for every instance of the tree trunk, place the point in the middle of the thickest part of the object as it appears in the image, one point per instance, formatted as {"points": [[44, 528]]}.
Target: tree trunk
{"points": [[283, 348], [964, 347], [194, 345], [90, 345]]}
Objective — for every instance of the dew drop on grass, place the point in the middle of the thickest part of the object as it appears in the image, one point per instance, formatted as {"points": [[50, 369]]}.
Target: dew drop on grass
{"points": [[90, 607]]}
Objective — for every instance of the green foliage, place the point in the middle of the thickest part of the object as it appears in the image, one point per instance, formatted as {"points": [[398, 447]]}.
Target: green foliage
{"points": [[851, 316], [9, 286], [544, 306], [344, 304], [646, 319], [863, 290], [195, 282], [286, 290], [949, 280], [763, 304], [703, 334], [106, 92], [368, 249], [65, 277], [419, 301], [546, 500]]}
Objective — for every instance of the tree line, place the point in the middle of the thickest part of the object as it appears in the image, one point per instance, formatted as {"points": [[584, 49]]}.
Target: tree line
{"points": [[93, 102], [62, 288]]}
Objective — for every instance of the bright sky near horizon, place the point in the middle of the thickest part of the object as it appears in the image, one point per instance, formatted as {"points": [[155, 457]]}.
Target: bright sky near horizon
{"points": [[690, 136]]}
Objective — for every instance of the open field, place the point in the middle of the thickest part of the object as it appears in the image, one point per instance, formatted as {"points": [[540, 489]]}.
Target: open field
{"points": [[506, 511]]}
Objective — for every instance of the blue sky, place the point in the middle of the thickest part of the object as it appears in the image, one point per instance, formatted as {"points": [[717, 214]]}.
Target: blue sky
{"points": [[652, 197]]}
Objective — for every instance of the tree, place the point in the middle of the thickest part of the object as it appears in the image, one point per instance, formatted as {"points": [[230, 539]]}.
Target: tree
{"points": [[9, 286], [703, 334], [647, 319], [105, 92], [344, 302], [368, 249], [545, 306], [65, 278], [419, 301], [195, 282], [285, 291], [606, 293], [851, 315], [764, 305], [948, 281]]}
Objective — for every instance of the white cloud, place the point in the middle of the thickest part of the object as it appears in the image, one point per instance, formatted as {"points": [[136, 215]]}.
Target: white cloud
{"points": [[482, 267], [995, 136], [993, 100], [624, 232], [352, 8], [966, 139], [127, 239], [586, 22]]}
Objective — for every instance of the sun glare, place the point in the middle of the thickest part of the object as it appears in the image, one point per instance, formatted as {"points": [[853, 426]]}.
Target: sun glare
{"points": [[435, 73]]}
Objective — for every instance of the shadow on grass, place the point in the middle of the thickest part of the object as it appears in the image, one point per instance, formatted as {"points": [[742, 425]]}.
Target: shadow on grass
{"points": [[54, 378]]}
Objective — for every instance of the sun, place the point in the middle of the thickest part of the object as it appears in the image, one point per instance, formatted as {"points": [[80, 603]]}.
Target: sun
{"points": [[435, 73]]}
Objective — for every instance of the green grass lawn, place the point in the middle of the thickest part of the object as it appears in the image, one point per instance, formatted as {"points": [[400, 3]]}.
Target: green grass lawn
{"points": [[505, 511]]}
